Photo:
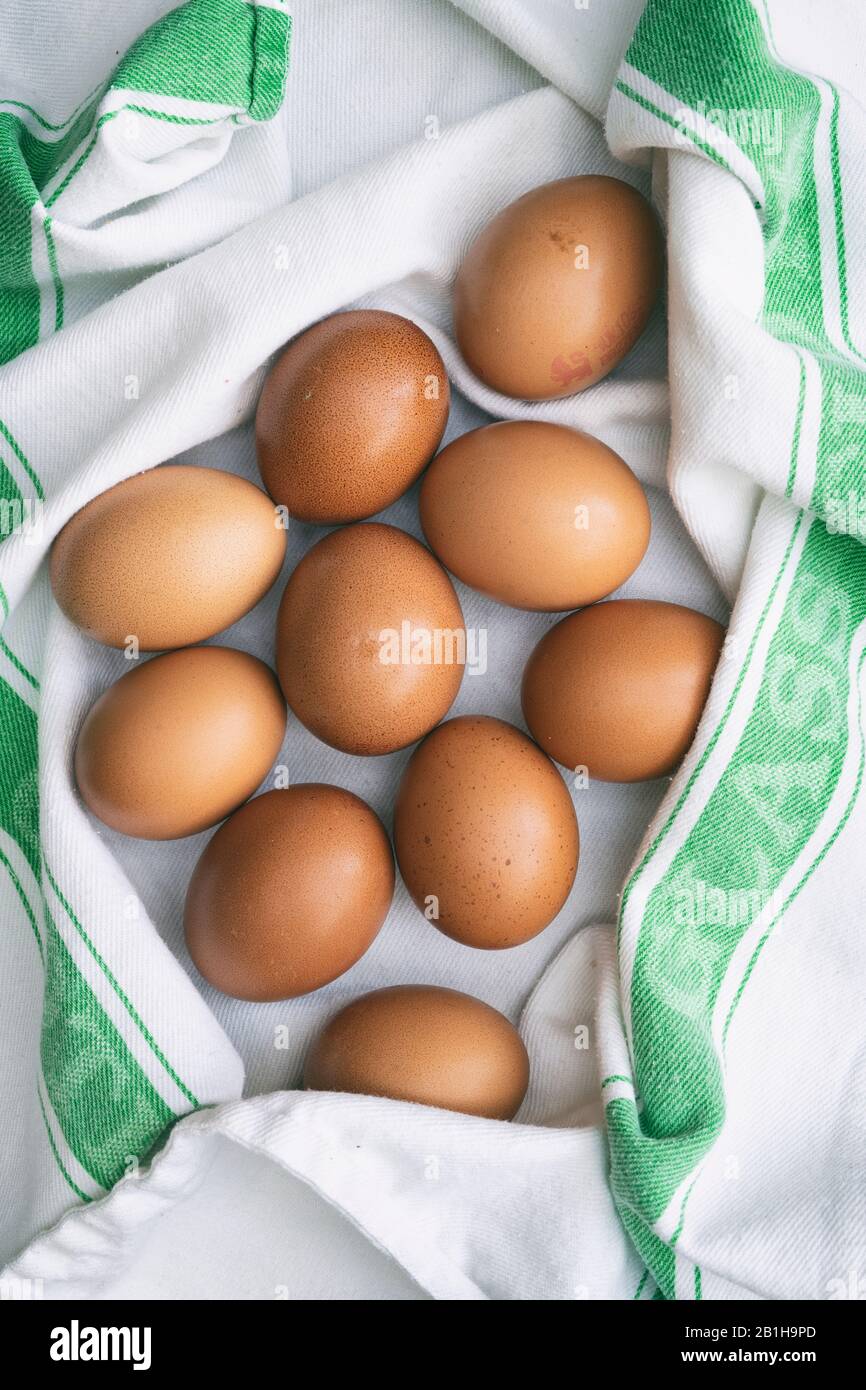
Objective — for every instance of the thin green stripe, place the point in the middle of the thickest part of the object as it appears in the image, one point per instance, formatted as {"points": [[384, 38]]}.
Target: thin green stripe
{"points": [[47, 125], [19, 888], [22, 459], [609, 1081], [698, 1286], [82, 158], [212, 51], [109, 116], [60, 1164], [841, 259], [127, 1004], [19, 665], [682, 1219], [677, 125], [798, 423], [175, 120], [642, 1285], [4, 646], [55, 274]]}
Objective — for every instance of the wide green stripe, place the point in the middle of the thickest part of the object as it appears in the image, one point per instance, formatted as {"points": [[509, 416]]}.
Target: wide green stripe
{"points": [[19, 293], [181, 55], [122, 996], [272, 40], [26, 163], [106, 1107], [82, 1196], [19, 788]]}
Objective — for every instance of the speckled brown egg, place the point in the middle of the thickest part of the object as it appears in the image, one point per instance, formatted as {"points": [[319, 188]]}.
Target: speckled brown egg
{"points": [[169, 557], [179, 742], [523, 488], [619, 688], [349, 415], [370, 640], [424, 1044], [289, 893], [485, 833], [558, 287]]}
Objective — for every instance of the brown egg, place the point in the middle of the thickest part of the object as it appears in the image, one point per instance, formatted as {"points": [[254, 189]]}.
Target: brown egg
{"points": [[420, 1043], [485, 833], [349, 415], [169, 557], [558, 287], [289, 893], [524, 488], [619, 688], [180, 741], [370, 640]]}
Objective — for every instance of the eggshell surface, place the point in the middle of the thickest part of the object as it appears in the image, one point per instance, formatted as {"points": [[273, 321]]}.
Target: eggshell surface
{"points": [[350, 414], [485, 833], [558, 287], [179, 742], [289, 893], [425, 1044], [619, 688], [370, 640], [169, 557], [535, 515]]}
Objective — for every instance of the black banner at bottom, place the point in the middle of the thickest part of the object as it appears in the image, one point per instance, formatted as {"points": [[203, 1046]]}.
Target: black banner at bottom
{"points": [[66, 1338]]}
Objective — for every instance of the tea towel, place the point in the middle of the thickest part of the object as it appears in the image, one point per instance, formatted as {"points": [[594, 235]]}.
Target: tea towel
{"points": [[709, 1142]]}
